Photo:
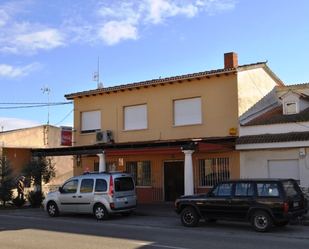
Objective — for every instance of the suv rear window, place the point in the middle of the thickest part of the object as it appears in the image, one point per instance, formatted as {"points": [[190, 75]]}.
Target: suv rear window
{"points": [[289, 188], [124, 184]]}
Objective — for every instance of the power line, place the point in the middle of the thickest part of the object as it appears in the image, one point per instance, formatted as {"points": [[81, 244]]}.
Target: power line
{"points": [[33, 105]]}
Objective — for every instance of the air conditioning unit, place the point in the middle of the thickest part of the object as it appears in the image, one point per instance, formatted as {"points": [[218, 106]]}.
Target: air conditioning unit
{"points": [[103, 136]]}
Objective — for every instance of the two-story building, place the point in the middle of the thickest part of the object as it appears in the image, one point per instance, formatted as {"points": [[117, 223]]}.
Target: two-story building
{"points": [[176, 135]]}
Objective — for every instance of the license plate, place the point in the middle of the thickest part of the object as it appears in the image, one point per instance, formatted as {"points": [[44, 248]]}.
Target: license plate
{"points": [[295, 204], [121, 199]]}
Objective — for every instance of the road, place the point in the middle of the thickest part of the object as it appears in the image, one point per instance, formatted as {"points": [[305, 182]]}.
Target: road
{"points": [[34, 229]]}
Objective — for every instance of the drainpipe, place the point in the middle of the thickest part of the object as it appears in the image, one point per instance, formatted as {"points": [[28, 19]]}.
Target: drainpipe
{"points": [[102, 163], [189, 180]]}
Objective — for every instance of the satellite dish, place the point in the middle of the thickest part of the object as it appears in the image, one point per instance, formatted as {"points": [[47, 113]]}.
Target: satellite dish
{"points": [[100, 86]]}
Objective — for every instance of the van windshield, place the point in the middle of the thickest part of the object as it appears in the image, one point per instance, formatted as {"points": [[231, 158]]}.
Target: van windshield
{"points": [[124, 184]]}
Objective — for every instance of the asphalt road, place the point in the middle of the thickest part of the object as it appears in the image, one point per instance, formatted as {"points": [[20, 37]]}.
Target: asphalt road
{"points": [[33, 228]]}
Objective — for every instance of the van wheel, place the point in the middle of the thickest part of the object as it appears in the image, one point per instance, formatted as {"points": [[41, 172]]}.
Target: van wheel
{"points": [[261, 221], [189, 217], [52, 209], [100, 212]]}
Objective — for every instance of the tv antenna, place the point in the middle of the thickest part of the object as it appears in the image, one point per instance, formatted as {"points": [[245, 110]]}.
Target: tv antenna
{"points": [[96, 76], [47, 89]]}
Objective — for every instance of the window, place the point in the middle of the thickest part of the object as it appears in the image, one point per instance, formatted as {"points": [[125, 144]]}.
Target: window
{"points": [[223, 189], [290, 107], [135, 117], [244, 189], [91, 121], [124, 184], [70, 187], [86, 186], [213, 170], [100, 185], [141, 172], [187, 111], [267, 189], [110, 166]]}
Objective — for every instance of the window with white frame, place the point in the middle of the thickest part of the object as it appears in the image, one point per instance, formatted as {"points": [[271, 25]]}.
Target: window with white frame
{"points": [[187, 111], [90, 121], [135, 117], [213, 170], [290, 107], [141, 171]]}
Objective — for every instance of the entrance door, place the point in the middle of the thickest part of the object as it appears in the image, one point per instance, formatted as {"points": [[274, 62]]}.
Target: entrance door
{"points": [[173, 180]]}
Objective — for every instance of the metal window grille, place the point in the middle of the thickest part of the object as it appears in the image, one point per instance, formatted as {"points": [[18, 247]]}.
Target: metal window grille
{"points": [[213, 170], [141, 172]]}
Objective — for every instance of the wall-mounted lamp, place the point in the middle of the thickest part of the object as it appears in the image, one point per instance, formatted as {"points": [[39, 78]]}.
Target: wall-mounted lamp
{"points": [[78, 160]]}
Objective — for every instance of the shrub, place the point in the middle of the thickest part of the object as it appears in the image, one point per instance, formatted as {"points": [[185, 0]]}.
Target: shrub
{"points": [[35, 198]]}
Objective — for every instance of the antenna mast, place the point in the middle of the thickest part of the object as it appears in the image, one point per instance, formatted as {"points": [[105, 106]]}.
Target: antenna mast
{"points": [[96, 74], [47, 89]]}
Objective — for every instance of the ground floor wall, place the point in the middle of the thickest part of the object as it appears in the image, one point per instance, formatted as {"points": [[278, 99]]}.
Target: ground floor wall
{"points": [[160, 177], [277, 163]]}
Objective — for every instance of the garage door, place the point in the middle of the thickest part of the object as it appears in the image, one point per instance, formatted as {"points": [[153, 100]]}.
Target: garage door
{"points": [[283, 169]]}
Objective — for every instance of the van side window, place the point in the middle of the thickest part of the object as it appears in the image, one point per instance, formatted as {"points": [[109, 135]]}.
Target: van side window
{"points": [[100, 185], [244, 189], [86, 186], [70, 187]]}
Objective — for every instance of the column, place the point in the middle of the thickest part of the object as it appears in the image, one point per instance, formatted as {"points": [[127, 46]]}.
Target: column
{"points": [[189, 179], [102, 163]]}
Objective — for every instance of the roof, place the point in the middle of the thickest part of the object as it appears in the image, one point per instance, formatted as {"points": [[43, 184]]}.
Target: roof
{"points": [[274, 138], [276, 116], [171, 80], [301, 95]]}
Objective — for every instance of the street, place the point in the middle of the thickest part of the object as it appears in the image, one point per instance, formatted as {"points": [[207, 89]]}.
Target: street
{"points": [[33, 228]]}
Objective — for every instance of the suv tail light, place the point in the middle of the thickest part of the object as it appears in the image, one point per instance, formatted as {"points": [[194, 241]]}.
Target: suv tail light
{"points": [[286, 207], [111, 186]]}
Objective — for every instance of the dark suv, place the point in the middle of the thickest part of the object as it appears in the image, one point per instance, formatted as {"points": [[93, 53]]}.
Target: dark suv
{"points": [[263, 202]]}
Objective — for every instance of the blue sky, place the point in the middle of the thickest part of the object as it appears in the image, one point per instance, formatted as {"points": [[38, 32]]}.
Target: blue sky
{"points": [[56, 45]]}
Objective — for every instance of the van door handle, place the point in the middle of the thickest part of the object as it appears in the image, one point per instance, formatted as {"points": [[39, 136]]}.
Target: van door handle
{"points": [[80, 196]]}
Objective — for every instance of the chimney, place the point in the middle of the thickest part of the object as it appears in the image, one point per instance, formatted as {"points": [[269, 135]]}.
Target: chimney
{"points": [[230, 60]]}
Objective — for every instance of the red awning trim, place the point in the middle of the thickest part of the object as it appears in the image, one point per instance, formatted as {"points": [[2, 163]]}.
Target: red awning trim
{"points": [[143, 151], [209, 146]]}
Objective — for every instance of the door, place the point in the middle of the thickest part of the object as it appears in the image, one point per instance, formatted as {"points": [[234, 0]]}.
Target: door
{"points": [[68, 197], [173, 180]]}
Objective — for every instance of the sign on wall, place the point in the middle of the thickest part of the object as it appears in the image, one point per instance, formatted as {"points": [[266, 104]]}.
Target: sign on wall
{"points": [[65, 136]]}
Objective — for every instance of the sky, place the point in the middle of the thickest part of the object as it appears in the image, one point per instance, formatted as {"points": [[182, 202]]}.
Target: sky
{"points": [[52, 48]]}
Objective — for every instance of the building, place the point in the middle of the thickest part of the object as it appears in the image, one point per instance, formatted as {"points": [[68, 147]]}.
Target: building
{"points": [[176, 135], [275, 144], [16, 146]]}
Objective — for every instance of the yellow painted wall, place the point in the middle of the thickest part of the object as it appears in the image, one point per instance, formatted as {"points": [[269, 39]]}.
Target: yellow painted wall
{"points": [[219, 110]]}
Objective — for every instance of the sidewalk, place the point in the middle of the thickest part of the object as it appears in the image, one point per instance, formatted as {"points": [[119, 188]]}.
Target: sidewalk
{"points": [[167, 210]]}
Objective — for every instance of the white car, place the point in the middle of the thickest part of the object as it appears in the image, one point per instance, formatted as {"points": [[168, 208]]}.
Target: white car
{"points": [[98, 193]]}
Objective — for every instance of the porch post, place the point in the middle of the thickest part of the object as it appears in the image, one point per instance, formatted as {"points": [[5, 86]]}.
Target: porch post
{"points": [[102, 163], [189, 180]]}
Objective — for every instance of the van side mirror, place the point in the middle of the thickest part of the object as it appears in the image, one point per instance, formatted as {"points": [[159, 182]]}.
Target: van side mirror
{"points": [[60, 189]]}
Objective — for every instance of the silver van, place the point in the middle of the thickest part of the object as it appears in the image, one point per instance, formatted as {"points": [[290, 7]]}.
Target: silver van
{"points": [[99, 193]]}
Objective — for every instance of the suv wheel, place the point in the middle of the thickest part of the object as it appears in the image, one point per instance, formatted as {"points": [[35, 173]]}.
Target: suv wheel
{"points": [[189, 217], [52, 209], [261, 221], [100, 212]]}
